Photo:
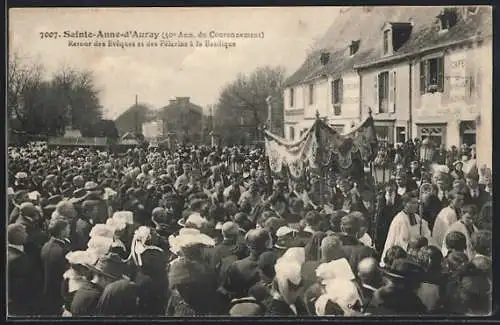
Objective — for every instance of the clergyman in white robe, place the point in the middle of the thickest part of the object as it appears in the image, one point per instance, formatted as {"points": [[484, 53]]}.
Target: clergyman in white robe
{"points": [[445, 218], [401, 232]]}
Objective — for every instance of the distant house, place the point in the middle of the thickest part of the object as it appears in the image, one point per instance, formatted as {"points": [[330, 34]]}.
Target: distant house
{"points": [[182, 121], [134, 117]]}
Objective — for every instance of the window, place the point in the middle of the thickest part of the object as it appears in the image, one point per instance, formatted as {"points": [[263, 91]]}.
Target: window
{"points": [[400, 134], [354, 47], [337, 94], [448, 18], [383, 92], [386, 41], [383, 133], [311, 94], [292, 133], [435, 133], [468, 132], [432, 75], [392, 92], [291, 97]]}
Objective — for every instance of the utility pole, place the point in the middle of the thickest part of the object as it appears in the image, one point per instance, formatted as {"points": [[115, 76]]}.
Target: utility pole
{"points": [[136, 115]]}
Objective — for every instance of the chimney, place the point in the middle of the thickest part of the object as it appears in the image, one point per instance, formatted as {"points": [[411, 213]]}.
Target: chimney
{"points": [[183, 100]]}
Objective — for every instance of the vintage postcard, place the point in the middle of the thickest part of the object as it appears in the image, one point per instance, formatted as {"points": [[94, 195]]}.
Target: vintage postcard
{"points": [[277, 161]]}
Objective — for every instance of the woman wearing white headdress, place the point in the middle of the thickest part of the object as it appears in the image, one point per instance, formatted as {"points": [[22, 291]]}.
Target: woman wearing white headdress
{"points": [[287, 288]]}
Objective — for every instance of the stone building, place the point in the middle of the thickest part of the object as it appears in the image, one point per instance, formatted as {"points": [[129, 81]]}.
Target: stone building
{"points": [[423, 71]]}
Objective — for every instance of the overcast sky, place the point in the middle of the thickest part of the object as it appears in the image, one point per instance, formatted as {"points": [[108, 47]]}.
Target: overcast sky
{"points": [[158, 74]]}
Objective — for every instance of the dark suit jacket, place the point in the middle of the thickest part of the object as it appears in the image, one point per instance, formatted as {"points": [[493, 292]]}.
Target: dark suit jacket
{"points": [[385, 214], [22, 279], [54, 265], [430, 209], [81, 235], [308, 272], [478, 201], [355, 251]]}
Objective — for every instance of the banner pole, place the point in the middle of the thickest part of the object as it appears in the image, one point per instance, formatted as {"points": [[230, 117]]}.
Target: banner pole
{"points": [[320, 161]]}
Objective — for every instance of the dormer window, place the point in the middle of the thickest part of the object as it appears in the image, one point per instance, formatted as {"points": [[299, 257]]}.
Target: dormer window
{"points": [[354, 47], [387, 39], [469, 11], [324, 58], [395, 34], [447, 18]]}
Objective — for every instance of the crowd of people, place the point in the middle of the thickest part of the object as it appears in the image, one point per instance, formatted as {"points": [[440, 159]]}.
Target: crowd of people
{"points": [[201, 231]]}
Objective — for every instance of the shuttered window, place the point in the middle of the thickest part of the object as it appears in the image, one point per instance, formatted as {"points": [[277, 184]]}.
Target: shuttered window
{"points": [[337, 96], [386, 41], [392, 92], [432, 75], [311, 94], [291, 97], [383, 92], [423, 83]]}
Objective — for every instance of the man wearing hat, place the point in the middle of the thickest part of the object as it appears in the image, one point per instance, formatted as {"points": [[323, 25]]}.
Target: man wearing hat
{"points": [[23, 276], [164, 222], [399, 297], [51, 205], [29, 217], [404, 185], [18, 198], [475, 194], [186, 178], [414, 172], [106, 270], [233, 192], [243, 274], [21, 181], [78, 182], [94, 198], [232, 244], [53, 256]]}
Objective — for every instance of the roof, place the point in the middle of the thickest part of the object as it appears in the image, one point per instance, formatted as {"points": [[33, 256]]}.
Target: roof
{"points": [[181, 105], [368, 30], [427, 36], [134, 117]]}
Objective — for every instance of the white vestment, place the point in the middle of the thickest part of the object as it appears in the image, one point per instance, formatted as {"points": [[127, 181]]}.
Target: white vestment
{"points": [[445, 218], [401, 232]]}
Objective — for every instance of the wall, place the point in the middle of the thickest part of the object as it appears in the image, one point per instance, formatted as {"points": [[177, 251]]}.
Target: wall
{"points": [[458, 102], [152, 130], [399, 100], [485, 121], [299, 115], [369, 92]]}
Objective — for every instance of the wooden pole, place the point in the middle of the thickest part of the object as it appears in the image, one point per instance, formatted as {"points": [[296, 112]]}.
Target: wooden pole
{"points": [[320, 161]]}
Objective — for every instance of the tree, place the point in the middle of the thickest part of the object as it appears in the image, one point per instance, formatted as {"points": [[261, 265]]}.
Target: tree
{"points": [[242, 109], [76, 93], [24, 80], [38, 106]]}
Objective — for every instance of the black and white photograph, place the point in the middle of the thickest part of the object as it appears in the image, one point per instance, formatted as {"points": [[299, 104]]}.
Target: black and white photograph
{"points": [[249, 162]]}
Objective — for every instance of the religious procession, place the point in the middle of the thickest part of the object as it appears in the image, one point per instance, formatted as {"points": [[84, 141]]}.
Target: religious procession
{"points": [[292, 229], [349, 177]]}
